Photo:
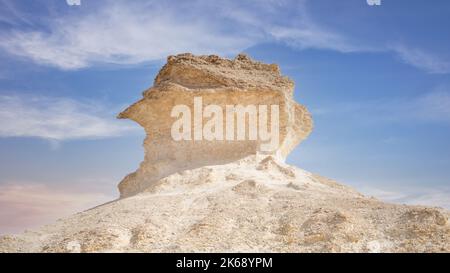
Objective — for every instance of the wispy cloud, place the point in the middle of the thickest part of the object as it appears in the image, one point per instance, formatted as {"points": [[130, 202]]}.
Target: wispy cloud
{"points": [[29, 205], [12, 15], [132, 32], [311, 36], [422, 59], [433, 106], [425, 196], [125, 32], [57, 118]]}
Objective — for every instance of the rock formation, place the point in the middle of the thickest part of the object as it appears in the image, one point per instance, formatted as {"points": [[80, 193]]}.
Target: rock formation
{"points": [[231, 196], [217, 81]]}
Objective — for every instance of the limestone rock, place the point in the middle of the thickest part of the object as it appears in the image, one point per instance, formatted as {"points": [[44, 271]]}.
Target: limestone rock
{"points": [[256, 204], [217, 81], [229, 196]]}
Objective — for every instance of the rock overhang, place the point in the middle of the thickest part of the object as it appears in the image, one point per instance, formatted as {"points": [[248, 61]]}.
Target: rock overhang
{"points": [[217, 81]]}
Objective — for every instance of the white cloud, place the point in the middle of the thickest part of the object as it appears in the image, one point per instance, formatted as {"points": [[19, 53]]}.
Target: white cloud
{"points": [[11, 15], [300, 31], [312, 37], [29, 205], [57, 119], [425, 196], [123, 32], [132, 32], [433, 106], [422, 60]]}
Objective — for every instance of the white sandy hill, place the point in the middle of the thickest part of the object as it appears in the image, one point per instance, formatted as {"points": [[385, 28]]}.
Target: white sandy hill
{"points": [[228, 196], [254, 204]]}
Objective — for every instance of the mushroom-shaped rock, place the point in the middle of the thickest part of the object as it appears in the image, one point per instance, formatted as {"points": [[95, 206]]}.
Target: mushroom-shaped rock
{"points": [[221, 97]]}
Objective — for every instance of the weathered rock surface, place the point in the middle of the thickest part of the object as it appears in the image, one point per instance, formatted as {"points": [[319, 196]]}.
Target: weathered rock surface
{"points": [[230, 197], [255, 204], [217, 81]]}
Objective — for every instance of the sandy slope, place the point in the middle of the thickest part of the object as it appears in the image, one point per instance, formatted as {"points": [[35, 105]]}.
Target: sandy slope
{"points": [[254, 204]]}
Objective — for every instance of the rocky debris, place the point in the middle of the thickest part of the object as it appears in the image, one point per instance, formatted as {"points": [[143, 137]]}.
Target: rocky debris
{"points": [[240, 207]]}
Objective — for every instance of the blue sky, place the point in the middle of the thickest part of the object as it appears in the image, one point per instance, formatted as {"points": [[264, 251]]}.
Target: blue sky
{"points": [[376, 78]]}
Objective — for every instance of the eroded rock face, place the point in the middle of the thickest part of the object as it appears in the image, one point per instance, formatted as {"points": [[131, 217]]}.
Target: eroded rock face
{"points": [[256, 204], [220, 82], [185, 200]]}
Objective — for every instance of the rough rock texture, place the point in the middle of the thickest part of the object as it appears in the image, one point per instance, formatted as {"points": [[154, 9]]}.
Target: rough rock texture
{"points": [[228, 197], [218, 81], [255, 204]]}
